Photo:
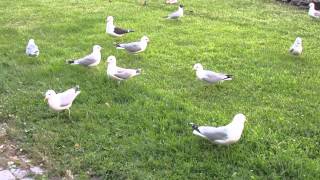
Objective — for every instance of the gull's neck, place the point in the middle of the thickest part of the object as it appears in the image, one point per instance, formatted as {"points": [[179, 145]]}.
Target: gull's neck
{"points": [[112, 65], [199, 70], [143, 44], [237, 123], [180, 10], [311, 10], [110, 26], [54, 102], [96, 52], [110, 23]]}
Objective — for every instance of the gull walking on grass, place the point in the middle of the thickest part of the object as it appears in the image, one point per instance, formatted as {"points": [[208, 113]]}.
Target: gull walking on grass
{"points": [[135, 47], [223, 135], [118, 73], [210, 76], [313, 12], [177, 14], [115, 31], [32, 49], [90, 60], [62, 101], [296, 48]]}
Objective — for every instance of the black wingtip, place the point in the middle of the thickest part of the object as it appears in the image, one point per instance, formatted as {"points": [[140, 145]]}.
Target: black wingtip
{"points": [[77, 87], [70, 62], [229, 76], [195, 127]]}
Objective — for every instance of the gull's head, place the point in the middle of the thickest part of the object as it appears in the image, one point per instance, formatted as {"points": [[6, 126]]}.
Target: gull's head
{"points": [[31, 40], [109, 19], [311, 5], [181, 6], [111, 60], [197, 67], [97, 48], [298, 40], [239, 118], [49, 94], [144, 39]]}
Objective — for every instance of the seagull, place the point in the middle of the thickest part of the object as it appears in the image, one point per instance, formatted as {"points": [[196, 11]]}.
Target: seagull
{"points": [[177, 14], [32, 49], [62, 101], [115, 31], [223, 135], [118, 73], [171, 1], [134, 47], [313, 12], [296, 48], [90, 60], [210, 76]]}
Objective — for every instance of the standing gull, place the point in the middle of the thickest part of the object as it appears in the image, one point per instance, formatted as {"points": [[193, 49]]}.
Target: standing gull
{"points": [[296, 48], [118, 73], [171, 1], [32, 49], [90, 60], [134, 47], [210, 76], [61, 101], [313, 12], [223, 135], [177, 14], [115, 31]]}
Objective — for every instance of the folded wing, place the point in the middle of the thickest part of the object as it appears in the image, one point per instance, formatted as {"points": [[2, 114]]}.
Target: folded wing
{"points": [[67, 97], [214, 133]]}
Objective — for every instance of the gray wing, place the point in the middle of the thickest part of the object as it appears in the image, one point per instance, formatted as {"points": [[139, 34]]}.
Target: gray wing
{"points": [[132, 47], [32, 48], [212, 77], [67, 97], [214, 133], [124, 73], [174, 15], [86, 61]]}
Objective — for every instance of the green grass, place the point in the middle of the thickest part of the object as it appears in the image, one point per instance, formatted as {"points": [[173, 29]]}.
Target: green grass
{"points": [[144, 132]]}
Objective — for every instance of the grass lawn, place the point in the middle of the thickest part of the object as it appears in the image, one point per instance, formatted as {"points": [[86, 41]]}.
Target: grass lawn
{"points": [[139, 129]]}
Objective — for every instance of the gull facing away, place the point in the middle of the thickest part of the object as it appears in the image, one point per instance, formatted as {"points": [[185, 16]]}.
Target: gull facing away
{"points": [[313, 12], [115, 31], [118, 73], [134, 47], [62, 101], [296, 48], [210, 76], [177, 14], [90, 60], [223, 135], [32, 49]]}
